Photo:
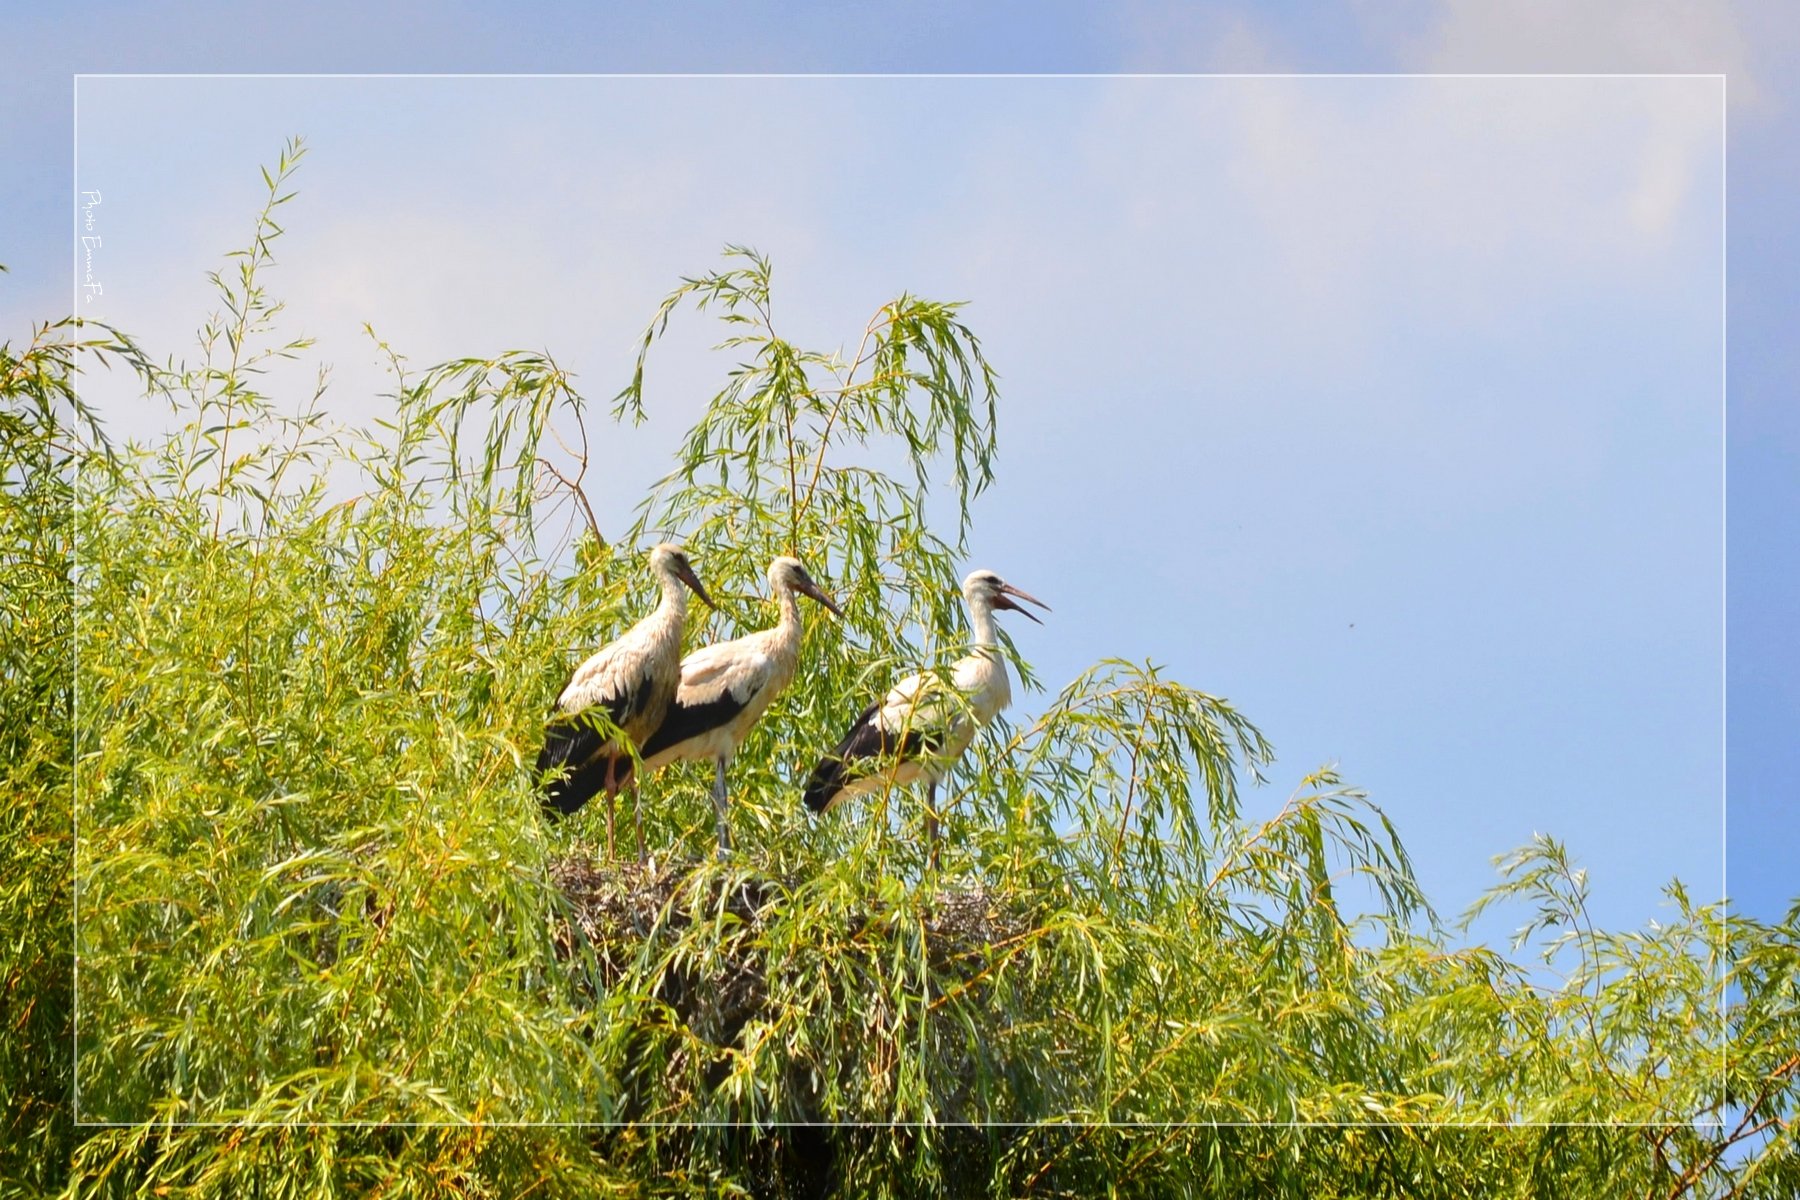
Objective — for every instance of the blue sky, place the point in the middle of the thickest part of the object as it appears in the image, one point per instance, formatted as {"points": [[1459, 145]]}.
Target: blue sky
{"points": [[1421, 376]]}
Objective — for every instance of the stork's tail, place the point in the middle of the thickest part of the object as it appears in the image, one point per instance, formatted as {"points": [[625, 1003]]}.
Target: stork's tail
{"points": [[825, 784], [565, 795], [578, 781]]}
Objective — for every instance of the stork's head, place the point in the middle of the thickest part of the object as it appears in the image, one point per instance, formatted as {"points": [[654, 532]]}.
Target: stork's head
{"points": [[787, 573], [989, 590], [670, 561]]}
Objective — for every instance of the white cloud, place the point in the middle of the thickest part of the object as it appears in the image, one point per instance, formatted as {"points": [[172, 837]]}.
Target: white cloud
{"points": [[1347, 202], [1579, 36], [1583, 36]]}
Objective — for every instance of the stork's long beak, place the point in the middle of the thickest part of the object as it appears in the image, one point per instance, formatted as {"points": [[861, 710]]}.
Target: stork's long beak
{"points": [[685, 573], [809, 588], [1004, 600]]}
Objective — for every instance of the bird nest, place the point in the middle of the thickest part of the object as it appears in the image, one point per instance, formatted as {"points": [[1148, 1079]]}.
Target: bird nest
{"points": [[622, 910], [723, 948], [616, 907]]}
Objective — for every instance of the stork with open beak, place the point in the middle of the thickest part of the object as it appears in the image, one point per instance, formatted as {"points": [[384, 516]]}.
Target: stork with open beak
{"points": [[632, 681], [917, 731], [727, 686]]}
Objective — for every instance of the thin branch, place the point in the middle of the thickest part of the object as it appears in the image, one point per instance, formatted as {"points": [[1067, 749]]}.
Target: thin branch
{"points": [[1744, 1128], [1125, 816], [574, 485], [843, 393]]}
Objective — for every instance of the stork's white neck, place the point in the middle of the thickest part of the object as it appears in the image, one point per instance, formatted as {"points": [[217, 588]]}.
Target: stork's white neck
{"points": [[982, 673], [674, 592], [981, 619], [790, 608]]}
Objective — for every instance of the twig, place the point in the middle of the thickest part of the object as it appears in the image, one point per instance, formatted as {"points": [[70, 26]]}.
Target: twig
{"points": [[875, 322], [1744, 1129], [580, 498], [1125, 817]]}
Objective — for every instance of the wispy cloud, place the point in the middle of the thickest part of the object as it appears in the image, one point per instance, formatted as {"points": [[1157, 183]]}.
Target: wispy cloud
{"points": [[1578, 36]]}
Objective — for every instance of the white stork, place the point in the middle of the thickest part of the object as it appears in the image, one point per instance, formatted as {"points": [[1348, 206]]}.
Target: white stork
{"points": [[632, 681], [917, 730], [726, 687]]}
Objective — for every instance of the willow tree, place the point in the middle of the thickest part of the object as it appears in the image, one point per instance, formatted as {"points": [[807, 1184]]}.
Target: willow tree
{"points": [[327, 944]]}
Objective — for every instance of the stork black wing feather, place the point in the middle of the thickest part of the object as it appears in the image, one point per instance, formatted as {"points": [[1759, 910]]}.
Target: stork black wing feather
{"points": [[566, 795], [865, 740], [572, 743], [691, 720]]}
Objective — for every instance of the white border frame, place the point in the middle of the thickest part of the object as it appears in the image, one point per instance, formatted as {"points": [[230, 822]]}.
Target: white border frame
{"points": [[1725, 889]]}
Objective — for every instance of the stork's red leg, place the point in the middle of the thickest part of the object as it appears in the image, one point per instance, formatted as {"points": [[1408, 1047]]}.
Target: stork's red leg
{"points": [[637, 817], [612, 796]]}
